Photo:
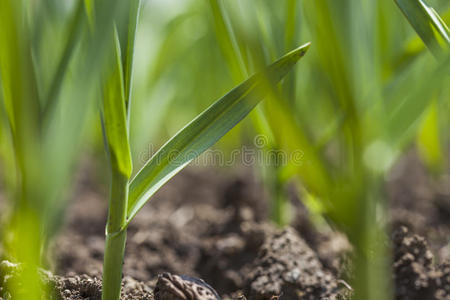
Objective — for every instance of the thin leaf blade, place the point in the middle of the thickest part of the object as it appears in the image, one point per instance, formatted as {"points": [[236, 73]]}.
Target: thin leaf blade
{"points": [[413, 99], [114, 117], [75, 29], [204, 131], [428, 24], [133, 19]]}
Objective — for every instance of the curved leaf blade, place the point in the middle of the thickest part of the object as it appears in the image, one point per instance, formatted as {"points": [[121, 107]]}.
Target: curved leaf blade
{"points": [[428, 24], [205, 130]]}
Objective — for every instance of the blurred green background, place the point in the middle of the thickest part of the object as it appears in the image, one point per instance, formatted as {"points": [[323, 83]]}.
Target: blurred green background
{"points": [[180, 65], [367, 91]]}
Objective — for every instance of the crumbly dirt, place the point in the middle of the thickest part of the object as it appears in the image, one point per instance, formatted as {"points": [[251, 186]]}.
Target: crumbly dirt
{"points": [[287, 266], [213, 225], [416, 276], [421, 203], [84, 287], [70, 287]]}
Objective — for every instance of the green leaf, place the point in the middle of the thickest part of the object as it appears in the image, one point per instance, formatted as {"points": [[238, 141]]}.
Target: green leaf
{"points": [[114, 118], [227, 41], [408, 100], [20, 91], [134, 7], [428, 24], [205, 130], [75, 28]]}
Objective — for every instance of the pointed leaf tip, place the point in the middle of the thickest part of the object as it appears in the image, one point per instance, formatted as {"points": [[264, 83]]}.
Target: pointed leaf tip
{"points": [[206, 129], [301, 51]]}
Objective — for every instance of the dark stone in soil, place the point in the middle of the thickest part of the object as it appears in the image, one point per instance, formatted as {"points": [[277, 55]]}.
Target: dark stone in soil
{"points": [[174, 287]]}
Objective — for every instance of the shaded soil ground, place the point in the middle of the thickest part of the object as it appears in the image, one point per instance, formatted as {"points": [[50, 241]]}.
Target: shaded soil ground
{"points": [[213, 225]]}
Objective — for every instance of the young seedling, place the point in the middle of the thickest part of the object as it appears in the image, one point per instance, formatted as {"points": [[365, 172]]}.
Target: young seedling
{"points": [[127, 196]]}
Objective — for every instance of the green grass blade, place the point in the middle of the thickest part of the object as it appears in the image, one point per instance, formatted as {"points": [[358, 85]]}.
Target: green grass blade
{"points": [[114, 118], [75, 29], [64, 126], [289, 40], [411, 98], [227, 41], [129, 55], [428, 24], [204, 131], [314, 172], [20, 96]]}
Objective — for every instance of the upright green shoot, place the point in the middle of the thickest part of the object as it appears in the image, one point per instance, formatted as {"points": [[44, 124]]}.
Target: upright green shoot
{"points": [[116, 101], [128, 197], [116, 136]]}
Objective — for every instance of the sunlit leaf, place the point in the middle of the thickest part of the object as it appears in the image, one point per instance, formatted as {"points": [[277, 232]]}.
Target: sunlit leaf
{"points": [[204, 131], [428, 24]]}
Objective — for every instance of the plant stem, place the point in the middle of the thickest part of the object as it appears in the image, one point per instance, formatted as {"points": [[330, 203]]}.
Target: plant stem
{"points": [[372, 255], [116, 236], [112, 270], [279, 201]]}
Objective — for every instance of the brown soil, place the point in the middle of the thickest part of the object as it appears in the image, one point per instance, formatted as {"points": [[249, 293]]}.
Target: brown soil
{"points": [[421, 203], [416, 277], [213, 225]]}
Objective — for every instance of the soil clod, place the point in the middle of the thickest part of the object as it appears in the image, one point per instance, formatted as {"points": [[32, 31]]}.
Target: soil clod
{"points": [[416, 276], [286, 268]]}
